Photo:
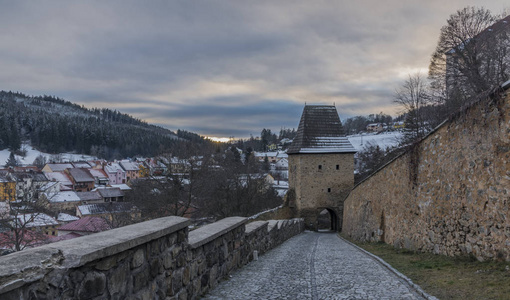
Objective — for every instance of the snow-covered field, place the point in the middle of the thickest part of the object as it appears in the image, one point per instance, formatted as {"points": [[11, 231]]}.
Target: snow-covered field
{"points": [[384, 140], [33, 153]]}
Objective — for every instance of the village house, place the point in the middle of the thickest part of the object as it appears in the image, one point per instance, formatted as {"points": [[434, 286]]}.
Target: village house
{"points": [[84, 226], [155, 166], [90, 197], [28, 184], [68, 200], [100, 177], [64, 218], [115, 172], [375, 127], [122, 212], [131, 168], [399, 125], [7, 187], [81, 179], [272, 157], [111, 194], [179, 166], [37, 222], [61, 201], [62, 178], [48, 168]]}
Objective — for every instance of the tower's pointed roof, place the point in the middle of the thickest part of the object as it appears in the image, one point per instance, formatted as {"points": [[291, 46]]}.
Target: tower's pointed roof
{"points": [[320, 131]]}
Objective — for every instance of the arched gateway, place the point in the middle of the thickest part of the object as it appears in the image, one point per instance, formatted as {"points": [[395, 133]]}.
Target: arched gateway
{"points": [[321, 166]]}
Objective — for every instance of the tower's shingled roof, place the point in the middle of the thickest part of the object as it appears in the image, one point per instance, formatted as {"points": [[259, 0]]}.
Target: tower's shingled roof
{"points": [[320, 131]]}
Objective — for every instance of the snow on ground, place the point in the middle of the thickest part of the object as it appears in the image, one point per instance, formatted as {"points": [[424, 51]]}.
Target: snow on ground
{"points": [[33, 153], [384, 140]]}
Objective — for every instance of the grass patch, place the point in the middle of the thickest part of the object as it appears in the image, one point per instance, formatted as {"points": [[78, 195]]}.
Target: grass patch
{"points": [[447, 277]]}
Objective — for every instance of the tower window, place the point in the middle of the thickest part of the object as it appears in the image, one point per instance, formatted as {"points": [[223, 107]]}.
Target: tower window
{"points": [[320, 167], [338, 167], [329, 190]]}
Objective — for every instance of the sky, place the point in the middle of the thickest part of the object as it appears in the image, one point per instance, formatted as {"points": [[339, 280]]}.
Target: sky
{"points": [[221, 68]]}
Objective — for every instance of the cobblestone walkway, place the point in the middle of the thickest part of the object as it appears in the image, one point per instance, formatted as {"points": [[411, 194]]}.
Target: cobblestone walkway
{"points": [[314, 266]]}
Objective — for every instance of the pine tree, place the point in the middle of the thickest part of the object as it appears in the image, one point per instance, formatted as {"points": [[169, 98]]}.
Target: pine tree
{"points": [[12, 161]]}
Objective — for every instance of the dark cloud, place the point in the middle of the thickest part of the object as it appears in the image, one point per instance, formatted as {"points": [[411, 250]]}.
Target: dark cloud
{"points": [[226, 68]]}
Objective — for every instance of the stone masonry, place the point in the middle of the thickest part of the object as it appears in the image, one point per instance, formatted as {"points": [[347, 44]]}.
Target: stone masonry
{"points": [[450, 194], [157, 259], [321, 165], [322, 181]]}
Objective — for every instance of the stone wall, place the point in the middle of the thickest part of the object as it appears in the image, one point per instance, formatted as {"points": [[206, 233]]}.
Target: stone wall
{"points": [[158, 259], [320, 181], [450, 194]]}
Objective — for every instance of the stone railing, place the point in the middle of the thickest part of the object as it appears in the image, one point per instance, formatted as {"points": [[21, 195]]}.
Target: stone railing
{"points": [[158, 259]]}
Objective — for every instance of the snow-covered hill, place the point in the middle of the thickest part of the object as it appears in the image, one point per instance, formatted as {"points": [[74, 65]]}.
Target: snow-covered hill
{"points": [[33, 153], [384, 140]]}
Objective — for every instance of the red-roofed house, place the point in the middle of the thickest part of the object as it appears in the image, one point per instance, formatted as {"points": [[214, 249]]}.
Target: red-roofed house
{"points": [[84, 226]]}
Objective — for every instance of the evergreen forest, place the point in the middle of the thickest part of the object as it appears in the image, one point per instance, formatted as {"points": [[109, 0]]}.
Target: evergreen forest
{"points": [[54, 125]]}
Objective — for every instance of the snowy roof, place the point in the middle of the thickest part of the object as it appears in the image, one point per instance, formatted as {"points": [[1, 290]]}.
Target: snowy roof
{"points": [[268, 154], [68, 196], [89, 196], [36, 220], [105, 208], [98, 173], [113, 168], [282, 161], [87, 224], [110, 192], [81, 175], [63, 217], [122, 187], [64, 187], [92, 163], [129, 166], [60, 177], [59, 167], [20, 176], [320, 131], [81, 164]]}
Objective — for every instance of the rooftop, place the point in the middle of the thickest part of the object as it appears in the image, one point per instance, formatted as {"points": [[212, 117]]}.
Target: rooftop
{"points": [[87, 224], [110, 192], [81, 175], [63, 217], [68, 196], [59, 167], [129, 166], [89, 196], [36, 220], [105, 208], [320, 131]]}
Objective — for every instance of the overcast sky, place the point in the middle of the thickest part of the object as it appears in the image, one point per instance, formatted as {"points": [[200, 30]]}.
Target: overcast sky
{"points": [[221, 68]]}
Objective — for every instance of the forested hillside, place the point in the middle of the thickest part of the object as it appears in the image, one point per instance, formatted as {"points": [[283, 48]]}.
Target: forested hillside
{"points": [[54, 125]]}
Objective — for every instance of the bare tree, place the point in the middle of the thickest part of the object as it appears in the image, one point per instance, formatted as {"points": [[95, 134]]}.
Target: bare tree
{"points": [[471, 57], [413, 97], [234, 190], [22, 221], [173, 193]]}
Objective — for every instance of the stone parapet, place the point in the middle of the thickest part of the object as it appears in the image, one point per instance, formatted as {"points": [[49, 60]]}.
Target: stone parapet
{"points": [[157, 259]]}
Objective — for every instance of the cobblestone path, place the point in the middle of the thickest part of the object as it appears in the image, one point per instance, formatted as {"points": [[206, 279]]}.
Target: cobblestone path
{"points": [[314, 266]]}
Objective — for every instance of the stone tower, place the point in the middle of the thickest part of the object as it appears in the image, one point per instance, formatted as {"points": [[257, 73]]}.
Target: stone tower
{"points": [[321, 166]]}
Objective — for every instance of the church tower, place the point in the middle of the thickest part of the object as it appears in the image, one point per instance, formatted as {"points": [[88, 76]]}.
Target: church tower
{"points": [[321, 166]]}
